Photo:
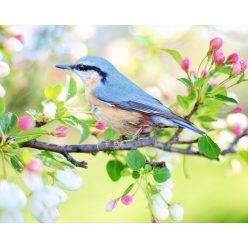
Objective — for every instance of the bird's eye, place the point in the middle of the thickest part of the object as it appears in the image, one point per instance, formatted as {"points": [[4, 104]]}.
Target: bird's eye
{"points": [[80, 67]]}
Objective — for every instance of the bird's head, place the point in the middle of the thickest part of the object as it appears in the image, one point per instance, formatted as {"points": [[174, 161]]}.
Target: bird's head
{"points": [[90, 67]]}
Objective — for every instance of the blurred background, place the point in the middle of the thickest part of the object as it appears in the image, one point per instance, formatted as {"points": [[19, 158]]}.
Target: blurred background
{"points": [[211, 191]]}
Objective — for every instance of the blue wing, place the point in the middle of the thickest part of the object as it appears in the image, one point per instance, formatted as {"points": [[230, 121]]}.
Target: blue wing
{"points": [[121, 92]]}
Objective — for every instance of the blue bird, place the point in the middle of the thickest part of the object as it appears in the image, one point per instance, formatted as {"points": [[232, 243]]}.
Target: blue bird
{"points": [[119, 103]]}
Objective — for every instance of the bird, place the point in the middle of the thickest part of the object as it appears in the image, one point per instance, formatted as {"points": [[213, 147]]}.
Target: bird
{"points": [[121, 104]]}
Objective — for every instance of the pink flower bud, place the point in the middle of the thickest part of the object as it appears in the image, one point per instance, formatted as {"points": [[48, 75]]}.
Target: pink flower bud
{"points": [[61, 131], [192, 73], [25, 123], [216, 43], [35, 165], [20, 38], [204, 73], [243, 65], [185, 64], [232, 58], [127, 199], [238, 109], [100, 126], [214, 84], [237, 129], [111, 205], [236, 69], [218, 57]]}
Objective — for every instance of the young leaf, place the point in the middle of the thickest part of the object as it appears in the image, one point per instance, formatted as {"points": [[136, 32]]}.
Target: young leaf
{"points": [[110, 134], [30, 135], [160, 175], [72, 121], [183, 102], [16, 164], [52, 92], [199, 82], [206, 118], [135, 174], [53, 160], [135, 160], [114, 168], [208, 147], [175, 55], [8, 122], [2, 106], [224, 98], [71, 88], [186, 82], [129, 188]]}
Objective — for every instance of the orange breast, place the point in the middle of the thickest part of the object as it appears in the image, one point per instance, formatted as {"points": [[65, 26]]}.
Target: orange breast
{"points": [[123, 121]]}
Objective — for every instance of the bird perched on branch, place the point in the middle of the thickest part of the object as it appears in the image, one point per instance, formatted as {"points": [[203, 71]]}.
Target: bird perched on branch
{"points": [[119, 103]]}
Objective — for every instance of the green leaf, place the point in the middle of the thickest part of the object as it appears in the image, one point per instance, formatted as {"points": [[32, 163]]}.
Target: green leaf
{"points": [[25, 136], [54, 160], [183, 102], [135, 175], [148, 168], [199, 82], [16, 164], [244, 156], [74, 122], [8, 122], [175, 55], [208, 147], [186, 82], [206, 118], [2, 106], [114, 168], [160, 175], [71, 88], [135, 160], [110, 134], [128, 189], [52, 92], [224, 98]]}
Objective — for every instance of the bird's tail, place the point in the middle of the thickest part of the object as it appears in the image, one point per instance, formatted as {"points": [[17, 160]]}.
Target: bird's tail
{"points": [[185, 124]]}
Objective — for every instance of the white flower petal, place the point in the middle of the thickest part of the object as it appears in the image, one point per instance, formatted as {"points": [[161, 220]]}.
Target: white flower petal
{"points": [[11, 196], [176, 212], [49, 109], [68, 179], [4, 69], [11, 217], [237, 118], [32, 180], [2, 91], [12, 44]]}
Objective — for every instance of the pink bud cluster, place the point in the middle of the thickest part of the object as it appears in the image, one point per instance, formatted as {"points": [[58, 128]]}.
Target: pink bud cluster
{"points": [[35, 165], [233, 59], [60, 131], [25, 123]]}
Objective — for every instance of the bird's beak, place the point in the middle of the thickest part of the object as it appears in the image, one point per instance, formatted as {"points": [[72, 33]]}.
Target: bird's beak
{"points": [[64, 67]]}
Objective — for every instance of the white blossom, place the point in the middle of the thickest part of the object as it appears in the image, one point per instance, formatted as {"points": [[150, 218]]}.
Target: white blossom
{"points": [[243, 143], [2, 91], [219, 123], [32, 180], [12, 198], [176, 212], [12, 44], [11, 217], [44, 202], [237, 118], [159, 207], [168, 183], [49, 109], [165, 192], [68, 179], [4, 69]]}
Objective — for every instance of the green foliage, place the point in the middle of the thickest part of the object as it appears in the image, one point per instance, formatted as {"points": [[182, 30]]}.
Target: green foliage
{"points": [[25, 136], [2, 106], [16, 164], [52, 92], [208, 147], [71, 88], [72, 121], [135, 174], [160, 175], [224, 98], [183, 102], [186, 82], [128, 189], [135, 160], [7, 122], [175, 55], [110, 134], [114, 169]]}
